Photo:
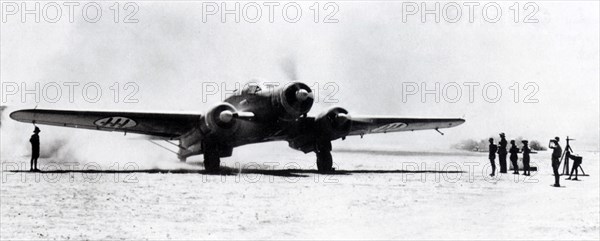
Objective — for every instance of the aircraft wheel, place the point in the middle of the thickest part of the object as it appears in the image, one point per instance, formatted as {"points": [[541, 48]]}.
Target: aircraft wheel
{"points": [[324, 161], [212, 161]]}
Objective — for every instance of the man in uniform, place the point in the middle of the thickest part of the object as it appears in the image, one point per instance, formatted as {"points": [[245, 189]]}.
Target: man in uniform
{"points": [[35, 149], [556, 153], [526, 158], [502, 153], [493, 148], [514, 156]]}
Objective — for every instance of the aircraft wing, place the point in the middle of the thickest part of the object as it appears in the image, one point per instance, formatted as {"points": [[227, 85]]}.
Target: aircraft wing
{"points": [[368, 125], [154, 124]]}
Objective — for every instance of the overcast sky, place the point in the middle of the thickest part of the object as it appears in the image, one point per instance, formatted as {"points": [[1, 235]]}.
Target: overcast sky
{"points": [[369, 54]]}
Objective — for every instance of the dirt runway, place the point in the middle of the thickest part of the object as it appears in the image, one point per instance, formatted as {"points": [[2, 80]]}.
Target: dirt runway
{"points": [[374, 195]]}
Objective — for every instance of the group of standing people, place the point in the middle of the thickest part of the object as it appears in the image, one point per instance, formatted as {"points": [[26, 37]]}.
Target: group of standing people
{"points": [[502, 151]]}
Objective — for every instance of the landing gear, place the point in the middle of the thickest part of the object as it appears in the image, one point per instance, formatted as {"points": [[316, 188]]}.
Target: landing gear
{"points": [[212, 160], [324, 159]]}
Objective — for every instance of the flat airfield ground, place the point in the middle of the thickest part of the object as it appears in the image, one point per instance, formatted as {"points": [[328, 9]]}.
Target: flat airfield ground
{"points": [[383, 194]]}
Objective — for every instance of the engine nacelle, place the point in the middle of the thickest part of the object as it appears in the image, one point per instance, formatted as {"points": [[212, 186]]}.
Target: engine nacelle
{"points": [[294, 99], [334, 123], [221, 119]]}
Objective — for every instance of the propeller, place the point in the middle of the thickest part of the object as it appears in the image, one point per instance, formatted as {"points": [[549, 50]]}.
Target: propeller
{"points": [[339, 117], [289, 65], [299, 96], [296, 98], [334, 123]]}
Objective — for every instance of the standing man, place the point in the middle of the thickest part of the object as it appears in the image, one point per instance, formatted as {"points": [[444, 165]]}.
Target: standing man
{"points": [[502, 153], [493, 148], [526, 159], [35, 149], [556, 153], [514, 157]]}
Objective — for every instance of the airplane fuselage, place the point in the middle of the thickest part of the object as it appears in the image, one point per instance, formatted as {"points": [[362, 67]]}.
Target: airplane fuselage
{"points": [[273, 119]]}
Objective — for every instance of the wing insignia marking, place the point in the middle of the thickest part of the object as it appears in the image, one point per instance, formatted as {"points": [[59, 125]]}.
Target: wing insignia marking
{"points": [[117, 122], [390, 127]]}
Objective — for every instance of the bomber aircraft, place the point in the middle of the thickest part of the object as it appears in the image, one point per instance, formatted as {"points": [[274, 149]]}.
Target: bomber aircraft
{"points": [[252, 115]]}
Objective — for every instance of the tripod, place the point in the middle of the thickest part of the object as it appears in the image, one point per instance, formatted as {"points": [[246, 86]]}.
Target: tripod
{"points": [[566, 156]]}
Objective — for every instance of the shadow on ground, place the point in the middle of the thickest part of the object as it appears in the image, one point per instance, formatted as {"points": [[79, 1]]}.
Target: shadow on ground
{"points": [[232, 171], [408, 153]]}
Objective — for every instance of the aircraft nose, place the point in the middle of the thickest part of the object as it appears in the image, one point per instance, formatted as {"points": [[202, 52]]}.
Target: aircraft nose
{"points": [[302, 94], [226, 116]]}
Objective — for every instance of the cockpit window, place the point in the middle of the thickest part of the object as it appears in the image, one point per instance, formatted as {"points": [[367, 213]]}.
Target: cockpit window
{"points": [[251, 89]]}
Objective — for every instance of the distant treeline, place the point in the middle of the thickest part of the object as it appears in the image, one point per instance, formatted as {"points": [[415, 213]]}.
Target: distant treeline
{"points": [[482, 145]]}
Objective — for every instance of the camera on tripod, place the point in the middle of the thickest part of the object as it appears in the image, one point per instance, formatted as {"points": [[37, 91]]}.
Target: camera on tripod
{"points": [[577, 160]]}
